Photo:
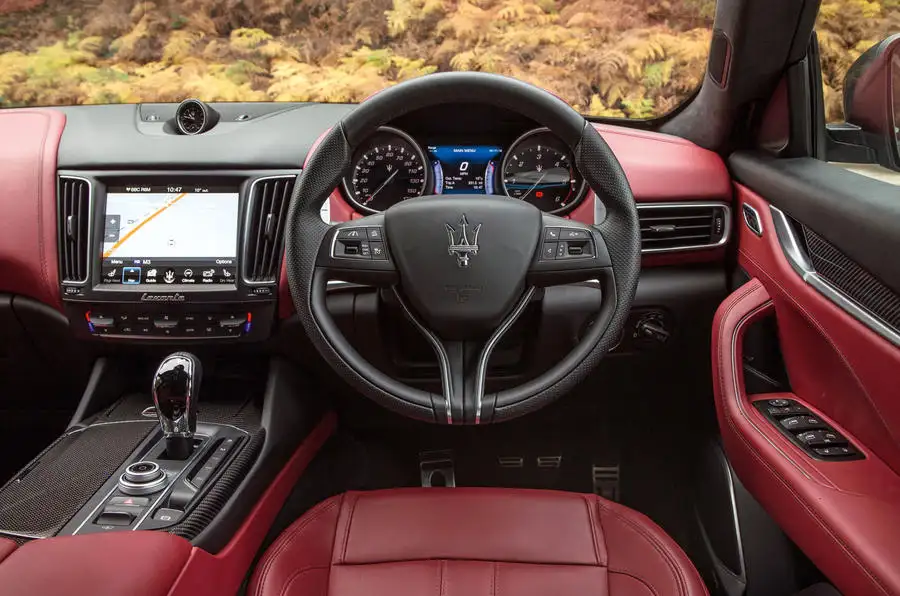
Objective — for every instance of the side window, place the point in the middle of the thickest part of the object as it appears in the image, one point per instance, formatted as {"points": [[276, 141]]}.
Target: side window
{"points": [[859, 51]]}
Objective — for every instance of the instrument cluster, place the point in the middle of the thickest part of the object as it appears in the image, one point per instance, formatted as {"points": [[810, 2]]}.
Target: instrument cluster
{"points": [[391, 167]]}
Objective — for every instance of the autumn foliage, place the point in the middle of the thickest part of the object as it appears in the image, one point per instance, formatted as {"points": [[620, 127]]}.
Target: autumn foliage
{"points": [[615, 58]]}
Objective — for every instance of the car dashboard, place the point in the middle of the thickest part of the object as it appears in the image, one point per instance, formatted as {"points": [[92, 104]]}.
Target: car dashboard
{"points": [[147, 234]]}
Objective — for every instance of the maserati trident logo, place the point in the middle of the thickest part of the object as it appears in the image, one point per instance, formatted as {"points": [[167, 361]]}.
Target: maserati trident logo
{"points": [[460, 245]]}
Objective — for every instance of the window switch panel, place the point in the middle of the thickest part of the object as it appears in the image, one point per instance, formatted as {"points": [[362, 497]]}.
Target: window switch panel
{"points": [[807, 430]]}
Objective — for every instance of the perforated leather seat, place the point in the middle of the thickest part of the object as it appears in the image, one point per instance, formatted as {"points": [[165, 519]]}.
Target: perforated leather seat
{"points": [[473, 542]]}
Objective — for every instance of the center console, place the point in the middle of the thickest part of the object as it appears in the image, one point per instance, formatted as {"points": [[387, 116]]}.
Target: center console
{"points": [[171, 256]]}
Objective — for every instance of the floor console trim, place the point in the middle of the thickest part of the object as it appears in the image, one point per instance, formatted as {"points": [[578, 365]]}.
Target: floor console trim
{"points": [[223, 572]]}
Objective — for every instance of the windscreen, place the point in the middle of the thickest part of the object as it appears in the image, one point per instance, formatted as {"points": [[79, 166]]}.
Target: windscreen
{"points": [[622, 59]]}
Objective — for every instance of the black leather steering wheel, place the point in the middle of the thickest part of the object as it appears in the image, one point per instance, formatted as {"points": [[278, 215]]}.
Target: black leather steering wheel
{"points": [[463, 267]]}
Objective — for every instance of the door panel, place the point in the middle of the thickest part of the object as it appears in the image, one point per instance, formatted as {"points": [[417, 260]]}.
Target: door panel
{"points": [[840, 359]]}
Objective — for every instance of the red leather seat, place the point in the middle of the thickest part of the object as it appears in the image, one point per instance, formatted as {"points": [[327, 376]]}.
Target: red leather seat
{"points": [[471, 541]]}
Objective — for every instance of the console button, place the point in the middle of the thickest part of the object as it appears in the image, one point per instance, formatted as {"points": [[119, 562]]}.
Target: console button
{"points": [[191, 331], [114, 518], [223, 449], [101, 321], [168, 515], [127, 329], [799, 423], [136, 501], [551, 234], [144, 329], [189, 319], [232, 320], [779, 403], [210, 331], [142, 318], [166, 323]]}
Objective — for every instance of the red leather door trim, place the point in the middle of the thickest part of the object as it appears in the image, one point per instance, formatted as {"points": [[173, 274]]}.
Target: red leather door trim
{"points": [[223, 572], [833, 360], [843, 515], [28, 257]]}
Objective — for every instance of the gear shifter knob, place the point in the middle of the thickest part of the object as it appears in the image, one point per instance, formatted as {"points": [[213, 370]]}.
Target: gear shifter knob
{"points": [[176, 388]]}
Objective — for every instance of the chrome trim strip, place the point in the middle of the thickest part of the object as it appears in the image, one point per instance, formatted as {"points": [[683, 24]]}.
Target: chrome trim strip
{"points": [[248, 210], [798, 260], [726, 232], [90, 239], [443, 358], [481, 370]]}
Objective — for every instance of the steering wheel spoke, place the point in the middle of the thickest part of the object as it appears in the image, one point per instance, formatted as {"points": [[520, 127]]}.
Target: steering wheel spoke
{"points": [[464, 363], [357, 251], [569, 252]]}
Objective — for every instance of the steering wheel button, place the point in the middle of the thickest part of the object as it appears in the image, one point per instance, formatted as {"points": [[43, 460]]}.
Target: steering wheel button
{"points": [[548, 251], [352, 234], [378, 252], [551, 234], [376, 234], [573, 234], [562, 250]]}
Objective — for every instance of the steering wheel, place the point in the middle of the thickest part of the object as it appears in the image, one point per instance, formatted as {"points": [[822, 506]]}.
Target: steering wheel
{"points": [[463, 267]]}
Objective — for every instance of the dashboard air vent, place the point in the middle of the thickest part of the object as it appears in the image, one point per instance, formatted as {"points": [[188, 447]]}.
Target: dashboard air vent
{"points": [[683, 226], [269, 198], [74, 197]]}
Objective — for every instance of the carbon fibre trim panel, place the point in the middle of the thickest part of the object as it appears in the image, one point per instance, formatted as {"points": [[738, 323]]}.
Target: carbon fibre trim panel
{"points": [[39, 500], [849, 277]]}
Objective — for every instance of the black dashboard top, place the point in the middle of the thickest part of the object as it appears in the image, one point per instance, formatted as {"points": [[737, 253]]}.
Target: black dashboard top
{"points": [[276, 135], [248, 135]]}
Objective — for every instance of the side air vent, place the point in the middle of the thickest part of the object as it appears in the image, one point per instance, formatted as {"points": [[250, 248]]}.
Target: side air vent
{"points": [[683, 226], [266, 214], [74, 207]]}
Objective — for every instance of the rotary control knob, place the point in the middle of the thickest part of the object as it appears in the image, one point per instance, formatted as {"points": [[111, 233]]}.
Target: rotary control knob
{"points": [[142, 478], [652, 329]]}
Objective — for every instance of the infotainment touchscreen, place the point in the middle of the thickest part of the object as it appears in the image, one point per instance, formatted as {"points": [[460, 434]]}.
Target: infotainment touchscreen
{"points": [[170, 234]]}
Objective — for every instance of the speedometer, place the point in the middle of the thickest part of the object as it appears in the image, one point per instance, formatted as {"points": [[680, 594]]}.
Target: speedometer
{"points": [[390, 167], [539, 168]]}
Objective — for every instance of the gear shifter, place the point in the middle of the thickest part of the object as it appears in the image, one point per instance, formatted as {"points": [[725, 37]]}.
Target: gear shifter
{"points": [[176, 389]]}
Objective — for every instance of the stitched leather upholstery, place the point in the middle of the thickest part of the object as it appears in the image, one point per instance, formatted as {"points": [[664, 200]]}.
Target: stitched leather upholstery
{"points": [[470, 541]]}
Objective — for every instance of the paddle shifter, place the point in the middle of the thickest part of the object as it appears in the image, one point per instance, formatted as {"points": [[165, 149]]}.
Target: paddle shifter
{"points": [[176, 389]]}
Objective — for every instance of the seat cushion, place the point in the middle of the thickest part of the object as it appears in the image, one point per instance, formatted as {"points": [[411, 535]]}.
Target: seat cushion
{"points": [[472, 541]]}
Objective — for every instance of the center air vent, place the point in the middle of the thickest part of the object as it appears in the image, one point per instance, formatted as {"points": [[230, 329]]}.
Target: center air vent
{"points": [[683, 226], [74, 201], [269, 198]]}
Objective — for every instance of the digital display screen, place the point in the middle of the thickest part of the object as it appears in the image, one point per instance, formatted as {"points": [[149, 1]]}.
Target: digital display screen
{"points": [[464, 169], [170, 234]]}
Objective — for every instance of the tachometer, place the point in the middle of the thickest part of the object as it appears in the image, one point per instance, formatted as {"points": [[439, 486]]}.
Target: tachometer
{"points": [[539, 168], [390, 167]]}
